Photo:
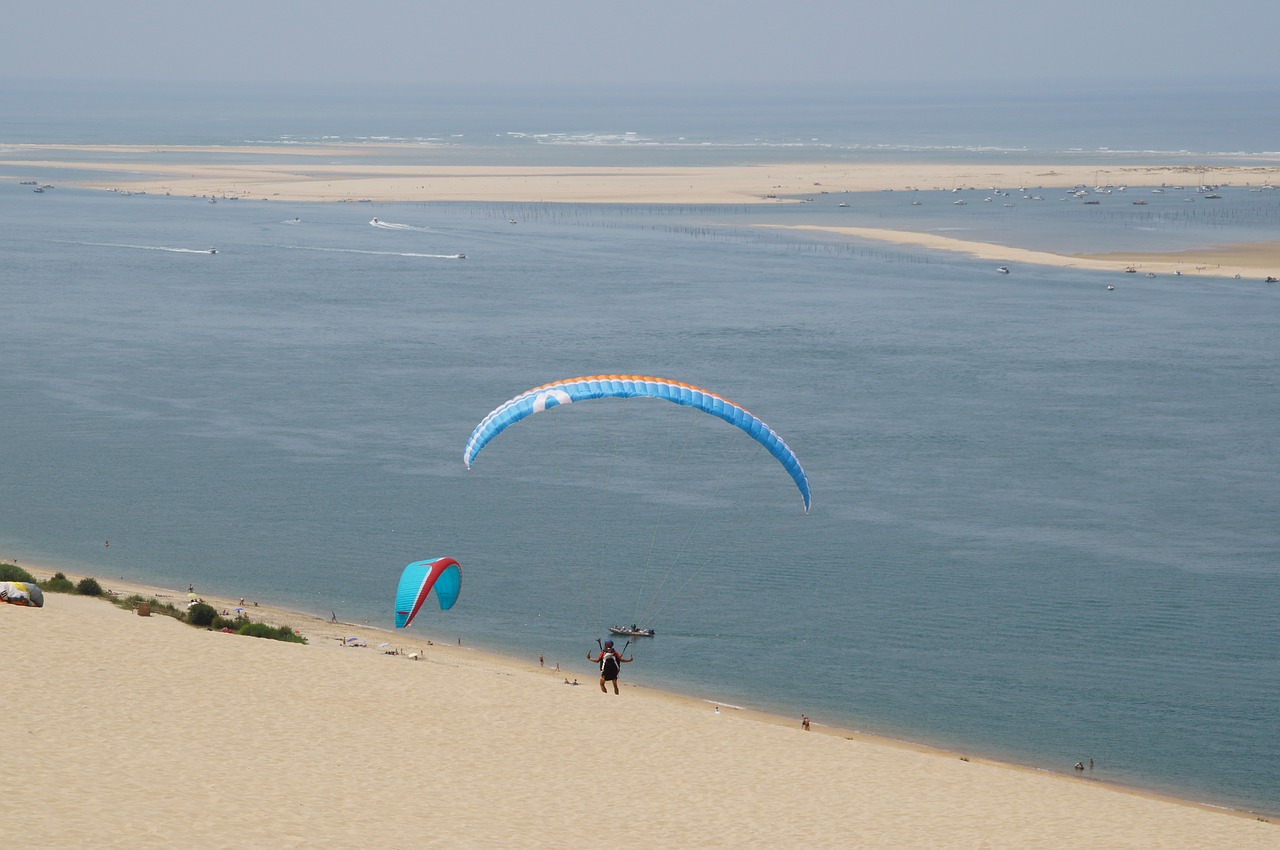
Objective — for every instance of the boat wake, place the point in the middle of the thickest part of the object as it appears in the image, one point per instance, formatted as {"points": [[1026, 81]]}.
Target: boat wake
{"points": [[376, 253], [150, 247], [391, 225]]}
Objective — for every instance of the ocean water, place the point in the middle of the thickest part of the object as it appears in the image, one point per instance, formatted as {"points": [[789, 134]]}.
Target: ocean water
{"points": [[1044, 519]]}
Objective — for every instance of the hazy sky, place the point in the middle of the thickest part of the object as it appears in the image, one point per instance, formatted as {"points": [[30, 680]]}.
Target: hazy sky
{"points": [[451, 42]]}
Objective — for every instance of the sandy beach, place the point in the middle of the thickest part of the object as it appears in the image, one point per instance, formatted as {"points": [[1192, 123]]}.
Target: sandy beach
{"points": [[140, 732], [346, 174]]}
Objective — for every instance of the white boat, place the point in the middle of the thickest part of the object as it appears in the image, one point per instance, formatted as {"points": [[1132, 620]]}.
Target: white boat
{"points": [[1003, 269]]}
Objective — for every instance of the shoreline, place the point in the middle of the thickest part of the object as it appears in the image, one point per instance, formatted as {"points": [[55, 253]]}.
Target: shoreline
{"points": [[332, 634]]}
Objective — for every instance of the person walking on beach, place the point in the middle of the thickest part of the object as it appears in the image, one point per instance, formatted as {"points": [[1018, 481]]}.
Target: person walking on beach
{"points": [[610, 661]]}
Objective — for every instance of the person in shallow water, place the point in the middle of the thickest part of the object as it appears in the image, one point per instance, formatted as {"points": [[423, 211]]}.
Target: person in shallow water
{"points": [[610, 661]]}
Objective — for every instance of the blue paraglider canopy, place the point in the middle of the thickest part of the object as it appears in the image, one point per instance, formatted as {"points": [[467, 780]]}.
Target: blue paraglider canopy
{"points": [[552, 395], [444, 575]]}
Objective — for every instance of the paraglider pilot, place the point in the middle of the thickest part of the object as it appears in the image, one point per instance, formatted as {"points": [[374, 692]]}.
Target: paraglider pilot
{"points": [[610, 661]]}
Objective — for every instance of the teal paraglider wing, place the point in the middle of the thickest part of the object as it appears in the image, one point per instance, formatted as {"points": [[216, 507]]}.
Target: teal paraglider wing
{"points": [[444, 575], [572, 390]]}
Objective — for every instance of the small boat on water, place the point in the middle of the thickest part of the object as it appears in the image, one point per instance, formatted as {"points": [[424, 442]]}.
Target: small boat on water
{"points": [[631, 631], [1003, 269]]}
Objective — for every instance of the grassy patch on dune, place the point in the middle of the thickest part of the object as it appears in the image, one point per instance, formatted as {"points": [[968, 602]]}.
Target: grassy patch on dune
{"points": [[199, 614]]}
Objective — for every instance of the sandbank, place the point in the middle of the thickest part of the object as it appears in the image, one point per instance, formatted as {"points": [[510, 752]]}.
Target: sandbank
{"points": [[1253, 260], [141, 732], [352, 173], [348, 173]]}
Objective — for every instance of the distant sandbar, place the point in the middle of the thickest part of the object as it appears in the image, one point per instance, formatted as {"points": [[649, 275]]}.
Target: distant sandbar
{"points": [[346, 174], [1254, 260]]}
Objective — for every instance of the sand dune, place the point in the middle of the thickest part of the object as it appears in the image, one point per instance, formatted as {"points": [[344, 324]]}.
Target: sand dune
{"points": [[139, 732]]}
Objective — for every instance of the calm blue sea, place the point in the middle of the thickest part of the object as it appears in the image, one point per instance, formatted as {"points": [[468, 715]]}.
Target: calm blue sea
{"points": [[1044, 525]]}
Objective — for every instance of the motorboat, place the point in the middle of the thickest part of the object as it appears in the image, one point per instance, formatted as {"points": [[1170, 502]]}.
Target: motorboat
{"points": [[1003, 269], [631, 631]]}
